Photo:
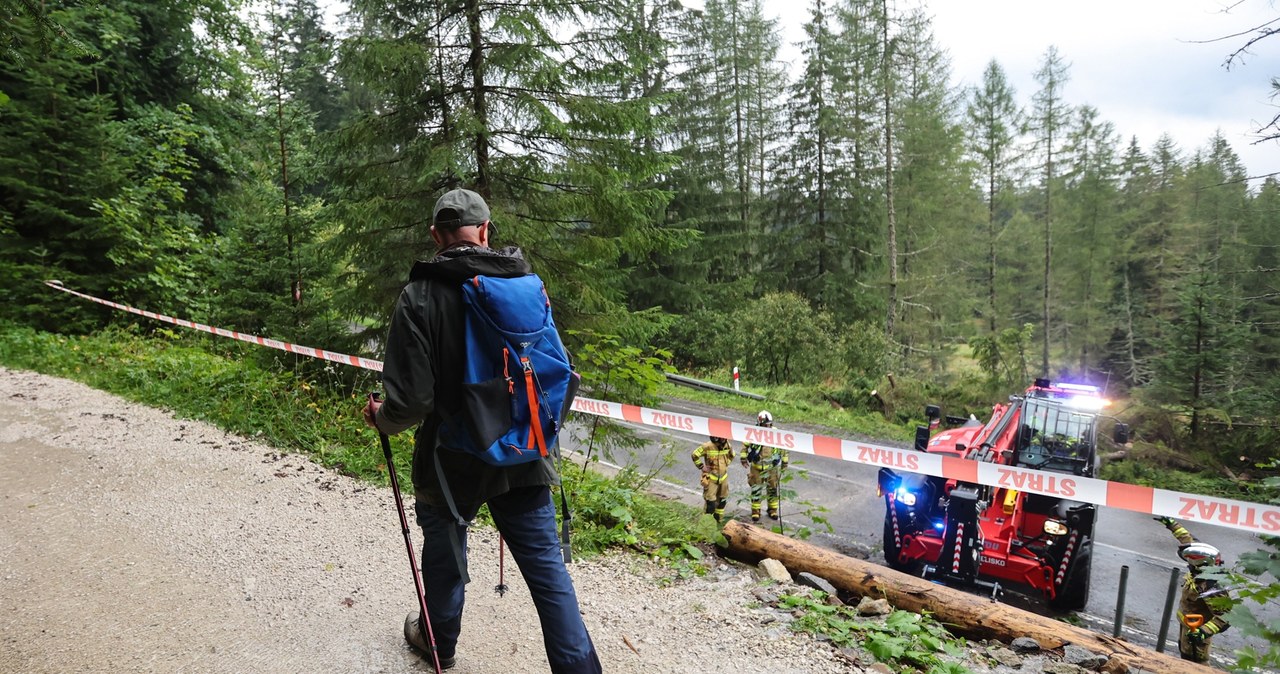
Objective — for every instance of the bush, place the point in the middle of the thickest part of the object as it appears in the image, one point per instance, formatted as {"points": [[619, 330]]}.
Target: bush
{"points": [[700, 340], [780, 339]]}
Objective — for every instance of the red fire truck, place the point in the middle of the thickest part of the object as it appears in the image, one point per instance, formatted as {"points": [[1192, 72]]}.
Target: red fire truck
{"points": [[976, 535]]}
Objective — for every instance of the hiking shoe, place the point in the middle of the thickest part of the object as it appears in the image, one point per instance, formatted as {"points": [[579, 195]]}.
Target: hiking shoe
{"points": [[415, 635]]}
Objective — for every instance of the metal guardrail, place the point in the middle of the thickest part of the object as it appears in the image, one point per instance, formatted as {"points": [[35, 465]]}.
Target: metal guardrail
{"points": [[695, 383]]}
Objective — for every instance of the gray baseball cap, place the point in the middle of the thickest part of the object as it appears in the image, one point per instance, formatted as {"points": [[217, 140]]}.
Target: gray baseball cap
{"points": [[468, 208]]}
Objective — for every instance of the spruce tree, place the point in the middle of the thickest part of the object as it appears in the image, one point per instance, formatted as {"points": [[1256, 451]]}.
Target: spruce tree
{"points": [[1218, 204], [993, 122], [134, 150], [1260, 301], [276, 277], [828, 220], [1089, 230], [935, 203], [1048, 121], [1126, 343], [48, 226], [1202, 349], [514, 102]]}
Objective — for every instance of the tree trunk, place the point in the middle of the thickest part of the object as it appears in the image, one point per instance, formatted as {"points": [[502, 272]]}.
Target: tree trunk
{"points": [[970, 615], [1048, 256], [476, 64], [891, 216], [295, 289], [991, 245]]}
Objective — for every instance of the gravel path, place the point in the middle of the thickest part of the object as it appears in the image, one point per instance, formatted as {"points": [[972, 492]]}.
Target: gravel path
{"points": [[131, 541]]}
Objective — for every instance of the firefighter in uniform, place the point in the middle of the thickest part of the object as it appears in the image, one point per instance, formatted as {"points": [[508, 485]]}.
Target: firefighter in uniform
{"points": [[713, 458], [766, 464], [1199, 620]]}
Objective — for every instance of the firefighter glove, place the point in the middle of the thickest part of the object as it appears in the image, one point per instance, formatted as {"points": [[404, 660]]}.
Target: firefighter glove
{"points": [[1167, 521], [706, 479], [1197, 636]]}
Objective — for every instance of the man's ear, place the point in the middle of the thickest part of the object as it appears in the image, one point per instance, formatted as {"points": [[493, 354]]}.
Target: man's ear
{"points": [[435, 236], [485, 231]]}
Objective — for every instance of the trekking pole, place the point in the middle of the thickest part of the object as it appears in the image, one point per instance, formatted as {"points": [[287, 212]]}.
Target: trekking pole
{"points": [[782, 528], [501, 589], [408, 544]]}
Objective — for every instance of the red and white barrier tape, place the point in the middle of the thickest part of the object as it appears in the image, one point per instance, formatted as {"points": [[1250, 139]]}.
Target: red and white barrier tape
{"points": [[356, 361], [1254, 517]]}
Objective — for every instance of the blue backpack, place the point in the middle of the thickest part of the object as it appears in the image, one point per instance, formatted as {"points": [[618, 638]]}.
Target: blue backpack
{"points": [[517, 384]]}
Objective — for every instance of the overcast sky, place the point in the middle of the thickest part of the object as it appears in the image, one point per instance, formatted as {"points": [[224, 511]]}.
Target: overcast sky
{"points": [[1133, 60]]}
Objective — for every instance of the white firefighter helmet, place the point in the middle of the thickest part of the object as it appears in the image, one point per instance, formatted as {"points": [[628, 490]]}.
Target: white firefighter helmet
{"points": [[764, 418], [1200, 554]]}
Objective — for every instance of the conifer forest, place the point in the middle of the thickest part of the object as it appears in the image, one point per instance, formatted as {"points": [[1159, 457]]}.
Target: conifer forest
{"points": [[269, 166]]}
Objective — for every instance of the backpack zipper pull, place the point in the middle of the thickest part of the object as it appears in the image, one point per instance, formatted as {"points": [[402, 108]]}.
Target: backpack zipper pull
{"points": [[506, 371]]}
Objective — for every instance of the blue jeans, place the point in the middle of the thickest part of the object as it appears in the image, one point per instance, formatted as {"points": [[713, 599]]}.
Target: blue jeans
{"points": [[526, 518]]}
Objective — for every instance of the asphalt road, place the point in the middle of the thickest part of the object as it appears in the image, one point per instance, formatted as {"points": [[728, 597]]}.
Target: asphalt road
{"points": [[847, 492]]}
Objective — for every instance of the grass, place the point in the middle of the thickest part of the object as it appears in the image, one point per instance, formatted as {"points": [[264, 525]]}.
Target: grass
{"points": [[1135, 471], [793, 405], [177, 371]]}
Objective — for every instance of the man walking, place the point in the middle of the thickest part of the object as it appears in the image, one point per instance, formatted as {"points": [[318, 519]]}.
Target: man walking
{"points": [[423, 373]]}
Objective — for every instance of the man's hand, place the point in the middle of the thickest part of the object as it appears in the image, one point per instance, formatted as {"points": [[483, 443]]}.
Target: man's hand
{"points": [[370, 411]]}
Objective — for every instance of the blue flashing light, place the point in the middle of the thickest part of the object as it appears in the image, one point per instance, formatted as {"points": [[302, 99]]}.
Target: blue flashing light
{"points": [[905, 497], [939, 525]]}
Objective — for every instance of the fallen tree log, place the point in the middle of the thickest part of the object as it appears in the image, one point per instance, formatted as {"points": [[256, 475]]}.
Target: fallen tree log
{"points": [[966, 614]]}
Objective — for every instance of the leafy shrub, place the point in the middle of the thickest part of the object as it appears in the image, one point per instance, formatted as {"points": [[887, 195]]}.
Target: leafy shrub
{"points": [[1249, 593], [617, 512], [909, 641], [780, 339], [700, 340], [1004, 357], [864, 353]]}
